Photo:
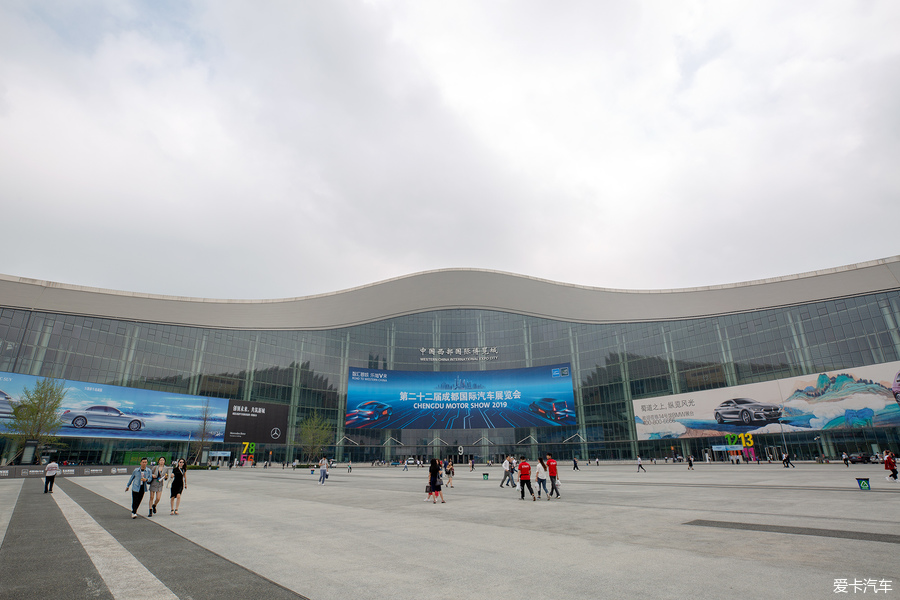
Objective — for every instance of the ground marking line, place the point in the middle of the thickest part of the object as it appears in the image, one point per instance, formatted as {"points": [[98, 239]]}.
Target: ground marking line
{"points": [[830, 533], [123, 574], [8, 501]]}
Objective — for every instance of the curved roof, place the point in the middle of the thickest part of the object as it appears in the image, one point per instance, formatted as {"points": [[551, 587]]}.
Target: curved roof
{"points": [[454, 289]]}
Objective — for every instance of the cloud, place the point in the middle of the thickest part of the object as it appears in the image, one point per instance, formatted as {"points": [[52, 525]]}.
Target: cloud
{"points": [[219, 149]]}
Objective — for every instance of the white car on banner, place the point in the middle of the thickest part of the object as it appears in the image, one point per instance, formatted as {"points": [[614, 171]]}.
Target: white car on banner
{"points": [[102, 416]]}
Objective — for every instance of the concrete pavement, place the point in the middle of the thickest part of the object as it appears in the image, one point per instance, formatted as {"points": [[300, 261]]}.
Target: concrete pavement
{"points": [[722, 530]]}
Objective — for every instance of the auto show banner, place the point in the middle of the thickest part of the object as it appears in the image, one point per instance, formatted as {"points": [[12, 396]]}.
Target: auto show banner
{"points": [[257, 422], [110, 411], [858, 397], [532, 397]]}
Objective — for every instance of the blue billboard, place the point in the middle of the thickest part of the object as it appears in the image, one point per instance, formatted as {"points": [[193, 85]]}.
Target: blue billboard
{"points": [[532, 397], [110, 411]]}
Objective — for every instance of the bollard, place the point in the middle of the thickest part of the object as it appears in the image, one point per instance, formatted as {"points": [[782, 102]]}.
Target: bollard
{"points": [[863, 483]]}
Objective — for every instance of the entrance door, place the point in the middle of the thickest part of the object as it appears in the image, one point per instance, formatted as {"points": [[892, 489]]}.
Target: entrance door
{"points": [[773, 453]]}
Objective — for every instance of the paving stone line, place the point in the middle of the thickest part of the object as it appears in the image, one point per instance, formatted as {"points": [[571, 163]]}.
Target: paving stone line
{"points": [[41, 556], [126, 578], [831, 533], [184, 567]]}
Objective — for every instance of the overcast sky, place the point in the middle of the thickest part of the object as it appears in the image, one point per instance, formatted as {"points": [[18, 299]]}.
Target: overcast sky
{"points": [[278, 149]]}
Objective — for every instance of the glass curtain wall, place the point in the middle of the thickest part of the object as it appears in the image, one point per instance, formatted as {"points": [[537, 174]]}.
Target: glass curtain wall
{"points": [[612, 364]]}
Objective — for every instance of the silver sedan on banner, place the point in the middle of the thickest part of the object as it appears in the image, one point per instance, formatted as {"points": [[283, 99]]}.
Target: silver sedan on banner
{"points": [[102, 416], [746, 411]]}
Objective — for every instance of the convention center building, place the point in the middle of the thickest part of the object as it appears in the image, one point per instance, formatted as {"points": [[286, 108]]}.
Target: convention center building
{"points": [[468, 364]]}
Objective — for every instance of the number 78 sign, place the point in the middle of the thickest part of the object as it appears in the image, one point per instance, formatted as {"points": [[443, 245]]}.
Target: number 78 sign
{"points": [[249, 450]]}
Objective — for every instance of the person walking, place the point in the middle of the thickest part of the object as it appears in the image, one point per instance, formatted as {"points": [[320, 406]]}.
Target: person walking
{"points": [[160, 474], [450, 472], [787, 461], [540, 471], [575, 464], [138, 483], [890, 465], [349, 466], [179, 484], [507, 475], [525, 478], [846, 460], [690, 462], [434, 481], [323, 470], [50, 475], [554, 476], [640, 465]]}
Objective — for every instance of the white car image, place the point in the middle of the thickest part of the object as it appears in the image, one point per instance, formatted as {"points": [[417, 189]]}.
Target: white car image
{"points": [[102, 416]]}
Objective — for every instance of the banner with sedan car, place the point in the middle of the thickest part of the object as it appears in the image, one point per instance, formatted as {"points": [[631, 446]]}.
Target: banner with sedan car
{"points": [[110, 411], [867, 396], [530, 397]]}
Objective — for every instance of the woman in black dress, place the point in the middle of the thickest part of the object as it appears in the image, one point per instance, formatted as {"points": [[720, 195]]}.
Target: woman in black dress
{"points": [[179, 483], [434, 480]]}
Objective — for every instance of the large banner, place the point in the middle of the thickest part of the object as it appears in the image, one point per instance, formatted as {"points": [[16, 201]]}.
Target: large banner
{"points": [[257, 422], [845, 399], [533, 397], [110, 411]]}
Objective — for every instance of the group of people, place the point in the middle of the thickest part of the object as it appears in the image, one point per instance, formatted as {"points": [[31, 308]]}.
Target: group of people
{"points": [[436, 472], [543, 471], [145, 479]]}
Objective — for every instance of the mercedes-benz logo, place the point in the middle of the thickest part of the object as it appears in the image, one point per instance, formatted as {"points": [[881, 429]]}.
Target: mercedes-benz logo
{"points": [[276, 433]]}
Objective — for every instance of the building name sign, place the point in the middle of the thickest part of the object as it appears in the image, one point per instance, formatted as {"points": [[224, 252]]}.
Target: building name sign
{"points": [[458, 354]]}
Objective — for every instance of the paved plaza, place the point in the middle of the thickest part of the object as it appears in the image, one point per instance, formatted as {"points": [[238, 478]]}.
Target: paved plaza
{"points": [[720, 531]]}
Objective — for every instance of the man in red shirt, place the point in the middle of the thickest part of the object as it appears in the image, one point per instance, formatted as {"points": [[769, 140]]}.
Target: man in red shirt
{"points": [[889, 464], [525, 478], [552, 472]]}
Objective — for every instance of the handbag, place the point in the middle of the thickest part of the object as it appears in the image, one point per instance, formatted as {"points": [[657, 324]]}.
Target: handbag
{"points": [[440, 480], [427, 488]]}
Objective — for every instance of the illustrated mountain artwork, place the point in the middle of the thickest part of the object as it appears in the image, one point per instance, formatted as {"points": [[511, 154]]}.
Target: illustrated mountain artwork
{"points": [[829, 389]]}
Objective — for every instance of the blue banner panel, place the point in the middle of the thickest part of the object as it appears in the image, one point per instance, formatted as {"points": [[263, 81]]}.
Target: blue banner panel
{"points": [[533, 397], [109, 411]]}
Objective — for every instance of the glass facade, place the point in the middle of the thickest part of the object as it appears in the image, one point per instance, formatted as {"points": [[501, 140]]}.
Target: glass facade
{"points": [[612, 364]]}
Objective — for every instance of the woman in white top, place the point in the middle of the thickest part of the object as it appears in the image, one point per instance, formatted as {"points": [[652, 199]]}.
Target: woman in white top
{"points": [[541, 474]]}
